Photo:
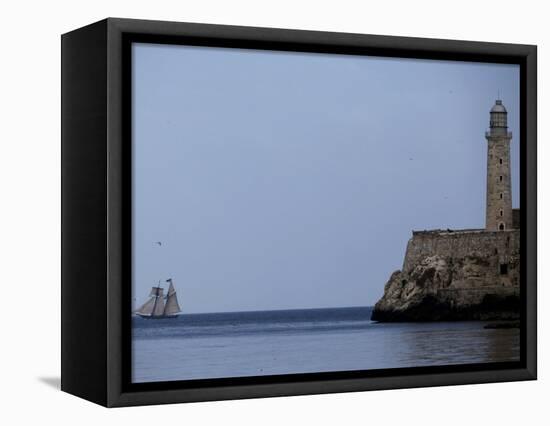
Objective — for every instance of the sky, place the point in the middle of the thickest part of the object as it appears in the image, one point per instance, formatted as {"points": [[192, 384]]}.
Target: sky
{"points": [[283, 180]]}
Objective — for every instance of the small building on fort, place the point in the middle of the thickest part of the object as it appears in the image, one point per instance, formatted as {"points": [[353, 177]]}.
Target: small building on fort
{"points": [[469, 273]]}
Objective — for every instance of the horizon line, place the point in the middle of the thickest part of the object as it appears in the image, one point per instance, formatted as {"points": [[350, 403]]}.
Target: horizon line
{"points": [[276, 310]]}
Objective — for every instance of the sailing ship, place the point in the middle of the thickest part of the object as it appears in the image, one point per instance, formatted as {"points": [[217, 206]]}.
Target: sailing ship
{"points": [[160, 306]]}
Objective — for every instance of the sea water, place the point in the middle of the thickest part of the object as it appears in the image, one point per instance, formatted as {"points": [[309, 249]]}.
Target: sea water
{"points": [[216, 345]]}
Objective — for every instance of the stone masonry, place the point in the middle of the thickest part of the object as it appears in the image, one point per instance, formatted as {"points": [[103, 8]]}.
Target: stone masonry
{"points": [[499, 193]]}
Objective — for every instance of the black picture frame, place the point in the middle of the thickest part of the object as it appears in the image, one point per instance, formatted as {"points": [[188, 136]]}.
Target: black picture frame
{"points": [[96, 225]]}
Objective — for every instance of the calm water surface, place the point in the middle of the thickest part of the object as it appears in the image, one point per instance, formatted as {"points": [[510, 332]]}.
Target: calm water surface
{"points": [[234, 344]]}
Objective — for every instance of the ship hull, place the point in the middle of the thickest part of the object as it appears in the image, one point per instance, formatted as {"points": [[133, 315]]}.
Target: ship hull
{"points": [[157, 316]]}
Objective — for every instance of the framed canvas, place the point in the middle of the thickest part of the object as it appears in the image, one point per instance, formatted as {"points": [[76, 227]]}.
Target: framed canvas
{"points": [[255, 212]]}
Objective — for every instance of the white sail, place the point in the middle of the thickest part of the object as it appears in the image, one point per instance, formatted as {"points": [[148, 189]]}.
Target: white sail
{"points": [[156, 291], [159, 307], [172, 306], [155, 305], [147, 307]]}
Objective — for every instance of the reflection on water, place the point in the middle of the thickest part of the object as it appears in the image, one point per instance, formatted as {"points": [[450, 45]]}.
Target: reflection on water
{"points": [[467, 342], [303, 341]]}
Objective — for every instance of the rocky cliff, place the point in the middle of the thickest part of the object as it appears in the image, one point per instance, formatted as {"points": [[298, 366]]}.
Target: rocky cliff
{"points": [[460, 275]]}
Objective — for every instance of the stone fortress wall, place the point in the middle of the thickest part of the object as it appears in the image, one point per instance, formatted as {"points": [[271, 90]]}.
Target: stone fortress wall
{"points": [[481, 262], [499, 247], [455, 275]]}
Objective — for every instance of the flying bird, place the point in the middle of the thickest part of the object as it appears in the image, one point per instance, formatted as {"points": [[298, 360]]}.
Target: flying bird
{"points": [[159, 243]]}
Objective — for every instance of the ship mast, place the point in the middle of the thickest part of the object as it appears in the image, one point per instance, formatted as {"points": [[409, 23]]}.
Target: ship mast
{"points": [[167, 296], [156, 300]]}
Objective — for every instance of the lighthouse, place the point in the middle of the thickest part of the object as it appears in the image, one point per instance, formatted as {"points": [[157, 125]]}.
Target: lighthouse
{"points": [[499, 215]]}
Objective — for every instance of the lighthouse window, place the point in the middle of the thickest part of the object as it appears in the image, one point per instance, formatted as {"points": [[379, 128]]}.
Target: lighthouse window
{"points": [[501, 227], [503, 269], [500, 178], [501, 195], [501, 213], [500, 161]]}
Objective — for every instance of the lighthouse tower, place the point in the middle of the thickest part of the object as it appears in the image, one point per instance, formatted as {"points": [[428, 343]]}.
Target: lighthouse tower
{"points": [[499, 190]]}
